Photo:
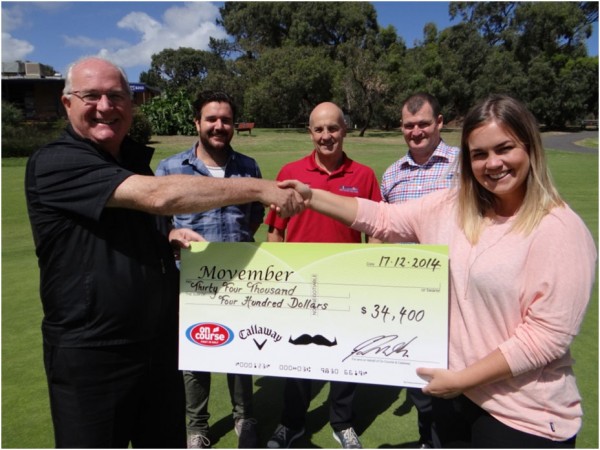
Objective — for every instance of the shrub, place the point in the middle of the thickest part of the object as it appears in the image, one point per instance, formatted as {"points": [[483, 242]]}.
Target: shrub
{"points": [[171, 114], [11, 116], [141, 128], [21, 138]]}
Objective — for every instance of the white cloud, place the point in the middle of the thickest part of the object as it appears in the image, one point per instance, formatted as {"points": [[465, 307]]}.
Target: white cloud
{"points": [[14, 49], [141, 22], [191, 25], [86, 42], [15, 18], [17, 15], [187, 18], [12, 18]]}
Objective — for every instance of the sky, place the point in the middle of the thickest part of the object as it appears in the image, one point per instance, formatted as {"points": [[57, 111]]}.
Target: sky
{"points": [[129, 33]]}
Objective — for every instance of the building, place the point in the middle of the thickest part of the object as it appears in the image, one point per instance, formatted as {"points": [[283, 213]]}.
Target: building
{"points": [[29, 87], [37, 92], [142, 93]]}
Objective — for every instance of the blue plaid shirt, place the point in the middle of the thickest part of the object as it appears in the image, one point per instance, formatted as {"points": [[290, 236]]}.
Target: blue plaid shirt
{"points": [[405, 179], [235, 223]]}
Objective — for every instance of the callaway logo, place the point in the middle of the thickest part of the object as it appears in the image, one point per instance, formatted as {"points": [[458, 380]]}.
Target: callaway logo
{"points": [[261, 345], [256, 330]]}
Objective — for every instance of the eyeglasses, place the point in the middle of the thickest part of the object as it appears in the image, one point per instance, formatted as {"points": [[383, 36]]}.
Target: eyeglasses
{"points": [[93, 98]]}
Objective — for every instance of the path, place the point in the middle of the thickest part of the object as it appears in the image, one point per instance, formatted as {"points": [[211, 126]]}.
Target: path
{"points": [[566, 141]]}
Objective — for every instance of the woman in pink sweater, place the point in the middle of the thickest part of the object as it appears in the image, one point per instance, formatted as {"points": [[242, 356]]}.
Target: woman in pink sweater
{"points": [[522, 266]]}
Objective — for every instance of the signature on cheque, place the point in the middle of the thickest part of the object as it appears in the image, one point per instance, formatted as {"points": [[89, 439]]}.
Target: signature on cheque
{"points": [[385, 345]]}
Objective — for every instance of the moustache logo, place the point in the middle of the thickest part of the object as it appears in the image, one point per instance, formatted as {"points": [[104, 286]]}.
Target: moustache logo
{"points": [[306, 339]]}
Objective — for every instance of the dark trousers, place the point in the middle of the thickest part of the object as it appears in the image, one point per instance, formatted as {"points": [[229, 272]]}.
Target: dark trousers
{"points": [[424, 414], [197, 392], [460, 423], [297, 397], [113, 397]]}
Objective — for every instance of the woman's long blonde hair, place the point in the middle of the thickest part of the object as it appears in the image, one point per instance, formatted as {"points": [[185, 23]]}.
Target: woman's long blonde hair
{"points": [[474, 200]]}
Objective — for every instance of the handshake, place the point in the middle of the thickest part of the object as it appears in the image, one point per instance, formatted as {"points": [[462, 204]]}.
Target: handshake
{"points": [[290, 197]]}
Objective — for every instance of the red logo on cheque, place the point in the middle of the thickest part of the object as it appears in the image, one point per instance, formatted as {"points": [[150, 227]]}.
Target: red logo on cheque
{"points": [[209, 334]]}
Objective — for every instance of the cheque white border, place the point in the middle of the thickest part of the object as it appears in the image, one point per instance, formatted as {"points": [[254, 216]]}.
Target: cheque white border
{"points": [[366, 313]]}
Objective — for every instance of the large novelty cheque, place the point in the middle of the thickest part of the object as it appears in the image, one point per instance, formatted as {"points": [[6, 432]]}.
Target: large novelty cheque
{"points": [[366, 313]]}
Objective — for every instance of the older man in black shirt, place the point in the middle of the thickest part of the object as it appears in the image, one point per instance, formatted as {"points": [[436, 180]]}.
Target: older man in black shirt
{"points": [[109, 284]]}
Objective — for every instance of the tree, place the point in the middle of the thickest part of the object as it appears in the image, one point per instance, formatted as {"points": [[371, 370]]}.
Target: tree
{"points": [[492, 19], [182, 68], [285, 57], [313, 31], [579, 81], [447, 65], [366, 83], [332, 24], [463, 54], [422, 68], [573, 88], [541, 49], [286, 83], [553, 28], [256, 26], [511, 80]]}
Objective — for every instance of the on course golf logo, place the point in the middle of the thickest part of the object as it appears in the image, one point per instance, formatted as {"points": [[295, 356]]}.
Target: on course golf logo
{"points": [[209, 334]]}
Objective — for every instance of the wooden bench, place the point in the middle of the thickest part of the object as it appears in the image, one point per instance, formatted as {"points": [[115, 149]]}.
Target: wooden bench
{"points": [[244, 126], [589, 123]]}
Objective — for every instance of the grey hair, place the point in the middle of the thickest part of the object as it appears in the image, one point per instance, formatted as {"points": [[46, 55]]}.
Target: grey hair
{"points": [[68, 80]]}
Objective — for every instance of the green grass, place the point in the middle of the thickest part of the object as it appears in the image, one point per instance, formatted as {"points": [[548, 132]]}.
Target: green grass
{"points": [[384, 417]]}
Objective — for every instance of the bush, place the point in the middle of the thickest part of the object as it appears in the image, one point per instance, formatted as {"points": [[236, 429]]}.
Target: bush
{"points": [[21, 138], [171, 114], [11, 116], [141, 128]]}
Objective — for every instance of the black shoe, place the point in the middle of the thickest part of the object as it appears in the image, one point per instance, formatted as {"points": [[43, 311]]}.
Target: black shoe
{"points": [[283, 437], [246, 433]]}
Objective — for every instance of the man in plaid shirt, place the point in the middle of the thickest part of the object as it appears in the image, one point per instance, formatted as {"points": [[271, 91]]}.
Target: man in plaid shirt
{"points": [[429, 165]]}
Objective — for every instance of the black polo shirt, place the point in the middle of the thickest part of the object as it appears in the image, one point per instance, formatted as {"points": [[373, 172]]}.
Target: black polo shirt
{"points": [[107, 275]]}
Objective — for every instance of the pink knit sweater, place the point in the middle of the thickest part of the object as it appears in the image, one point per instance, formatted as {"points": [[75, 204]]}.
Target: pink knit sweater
{"points": [[525, 295]]}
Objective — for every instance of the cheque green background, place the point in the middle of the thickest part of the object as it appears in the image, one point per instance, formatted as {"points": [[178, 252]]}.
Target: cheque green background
{"points": [[365, 288], [383, 416]]}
